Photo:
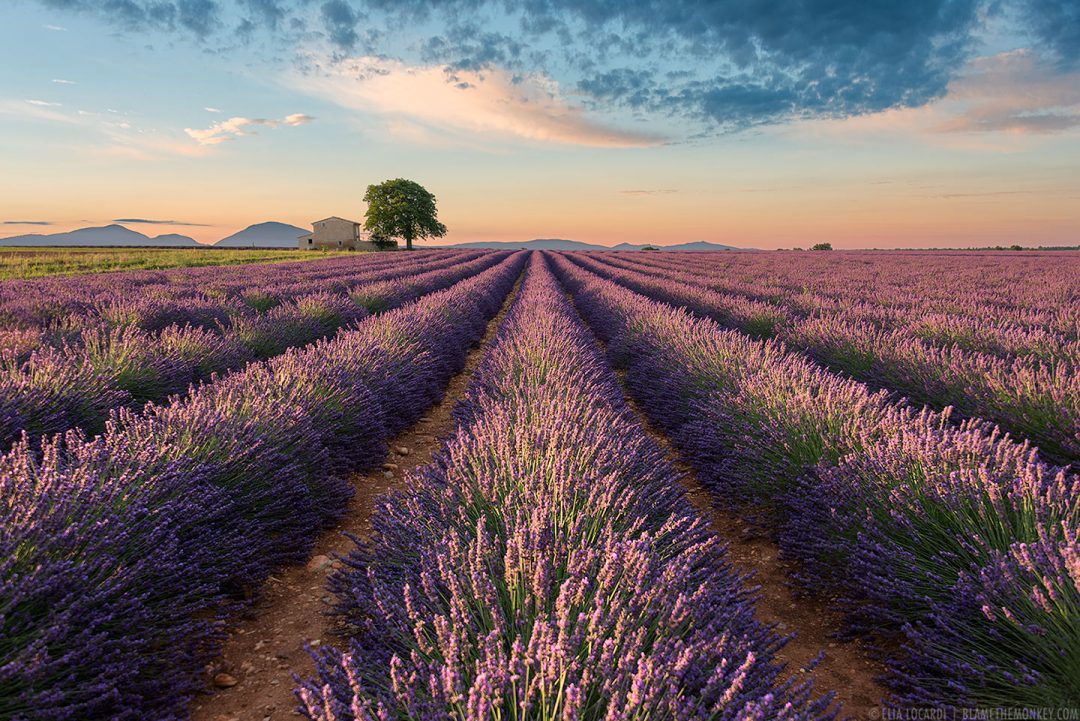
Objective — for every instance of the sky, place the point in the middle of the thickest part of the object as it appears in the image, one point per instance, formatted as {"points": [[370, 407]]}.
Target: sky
{"points": [[755, 123]]}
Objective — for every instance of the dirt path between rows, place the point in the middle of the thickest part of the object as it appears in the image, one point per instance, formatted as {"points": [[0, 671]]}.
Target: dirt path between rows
{"points": [[265, 649], [847, 668]]}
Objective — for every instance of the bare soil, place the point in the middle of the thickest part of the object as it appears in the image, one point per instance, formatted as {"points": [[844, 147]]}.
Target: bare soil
{"points": [[267, 648]]}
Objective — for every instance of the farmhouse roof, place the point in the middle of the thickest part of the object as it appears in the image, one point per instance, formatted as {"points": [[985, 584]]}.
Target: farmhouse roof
{"points": [[334, 217]]}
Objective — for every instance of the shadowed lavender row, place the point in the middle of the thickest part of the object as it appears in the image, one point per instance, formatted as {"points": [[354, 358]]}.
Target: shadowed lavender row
{"points": [[79, 385], [948, 537], [120, 556], [1035, 398], [545, 565], [150, 298], [58, 321]]}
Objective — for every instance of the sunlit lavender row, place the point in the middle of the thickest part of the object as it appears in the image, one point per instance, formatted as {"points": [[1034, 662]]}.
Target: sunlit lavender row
{"points": [[951, 546], [1024, 375], [546, 565], [1000, 303], [121, 556], [104, 365]]}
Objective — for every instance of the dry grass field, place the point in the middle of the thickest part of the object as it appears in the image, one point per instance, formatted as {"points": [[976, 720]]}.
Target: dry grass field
{"points": [[22, 263]]}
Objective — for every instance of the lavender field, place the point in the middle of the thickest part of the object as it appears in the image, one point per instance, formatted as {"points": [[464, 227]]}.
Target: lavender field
{"points": [[895, 437]]}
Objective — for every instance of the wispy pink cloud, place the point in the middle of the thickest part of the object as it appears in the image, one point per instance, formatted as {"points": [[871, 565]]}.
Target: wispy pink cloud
{"points": [[238, 127], [108, 135], [1012, 92], [999, 102], [426, 102]]}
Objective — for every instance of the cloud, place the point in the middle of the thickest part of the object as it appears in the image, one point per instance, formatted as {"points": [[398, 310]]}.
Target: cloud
{"points": [[1001, 102], [1012, 92], [658, 191], [270, 12], [197, 17], [988, 194], [58, 81], [106, 134], [212, 110], [26, 222], [491, 103], [55, 28], [1056, 25], [717, 66], [340, 19], [35, 111], [44, 104], [297, 119], [730, 65], [146, 221], [239, 127]]}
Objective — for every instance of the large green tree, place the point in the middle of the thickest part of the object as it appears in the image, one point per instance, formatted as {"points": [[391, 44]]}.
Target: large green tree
{"points": [[402, 209]]}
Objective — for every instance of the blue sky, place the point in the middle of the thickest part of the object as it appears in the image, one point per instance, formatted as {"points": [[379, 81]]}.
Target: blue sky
{"points": [[764, 124]]}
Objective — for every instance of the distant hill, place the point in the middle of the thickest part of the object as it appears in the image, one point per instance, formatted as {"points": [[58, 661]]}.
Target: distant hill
{"points": [[108, 235], [562, 244], [282, 235], [264, 235]]}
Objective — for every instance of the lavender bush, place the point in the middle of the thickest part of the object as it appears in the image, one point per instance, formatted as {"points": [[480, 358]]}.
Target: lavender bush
{"points": [[1034, 393], [102, 368], [545, 565], [121, 555], [949, 535]]}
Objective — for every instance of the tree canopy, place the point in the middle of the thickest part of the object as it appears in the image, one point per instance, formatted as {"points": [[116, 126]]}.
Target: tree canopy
{"points": [[821, 246], [403, 209]]}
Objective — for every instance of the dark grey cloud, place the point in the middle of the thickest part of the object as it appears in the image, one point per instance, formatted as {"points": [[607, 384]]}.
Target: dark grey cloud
{"points": [[340, 20], [195, 17], [27, 222], [467, 47], [767, 60], [1056, 23], [728, 64], [147, 221], [270, 12]]}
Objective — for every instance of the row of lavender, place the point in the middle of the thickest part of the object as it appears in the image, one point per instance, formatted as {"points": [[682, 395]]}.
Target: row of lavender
{"points": [[1028, 396], [120, 556], [545, 564], [948, 537], [991, 302], [153, 298], [59, 312], [980, 304], [79, 385]]}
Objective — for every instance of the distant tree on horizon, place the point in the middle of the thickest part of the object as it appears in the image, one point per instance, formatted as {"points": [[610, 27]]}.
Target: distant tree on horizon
{"points": [[821, 246], [401, 208]]}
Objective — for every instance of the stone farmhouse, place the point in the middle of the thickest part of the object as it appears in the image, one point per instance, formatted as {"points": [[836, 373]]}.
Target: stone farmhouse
{"points": [[335, 233]]}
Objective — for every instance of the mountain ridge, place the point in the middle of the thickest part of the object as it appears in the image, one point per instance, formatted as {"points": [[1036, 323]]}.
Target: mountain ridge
{"points": [[274, 234], [269, 234], [113, 235], [564, 244]]}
